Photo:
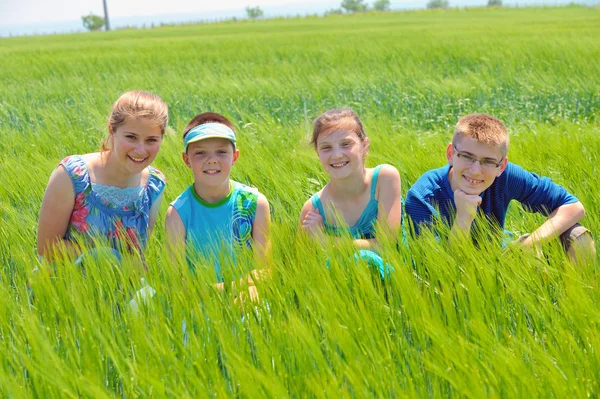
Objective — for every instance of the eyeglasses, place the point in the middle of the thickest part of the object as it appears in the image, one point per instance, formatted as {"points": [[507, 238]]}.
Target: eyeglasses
{"points": [[485, 163]]}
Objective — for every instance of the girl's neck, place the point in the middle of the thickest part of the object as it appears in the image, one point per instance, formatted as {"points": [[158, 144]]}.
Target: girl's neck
{"points": [[350, 187], [113, 174], [213, 194]]}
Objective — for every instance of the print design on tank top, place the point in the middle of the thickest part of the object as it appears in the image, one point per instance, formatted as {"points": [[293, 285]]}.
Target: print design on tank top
{"points": [[244, 211]]}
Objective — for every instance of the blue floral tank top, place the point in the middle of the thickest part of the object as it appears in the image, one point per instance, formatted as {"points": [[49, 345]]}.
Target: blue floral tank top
{"points": [[365, 226], [119, 215]]}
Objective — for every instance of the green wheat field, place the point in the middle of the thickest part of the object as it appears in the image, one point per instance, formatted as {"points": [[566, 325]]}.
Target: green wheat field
{"points": [[468, 322]]}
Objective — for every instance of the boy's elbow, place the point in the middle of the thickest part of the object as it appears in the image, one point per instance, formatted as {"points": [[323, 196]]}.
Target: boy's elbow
{"points": [[575, 211], [580, 210]]}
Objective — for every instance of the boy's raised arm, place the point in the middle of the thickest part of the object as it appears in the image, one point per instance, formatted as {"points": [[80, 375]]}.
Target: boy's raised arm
{"points": [[540, 194], [466, 210]]}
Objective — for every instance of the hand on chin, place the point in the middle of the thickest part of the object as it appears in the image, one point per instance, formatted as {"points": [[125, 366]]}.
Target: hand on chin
{"points": [[471, 191]]}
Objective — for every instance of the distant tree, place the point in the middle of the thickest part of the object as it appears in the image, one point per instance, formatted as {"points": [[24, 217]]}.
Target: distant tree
{"points": [[254, 12], [381, 5], [437, 4], [494, 3], [92, 22], [354, 5], [334, 11]]}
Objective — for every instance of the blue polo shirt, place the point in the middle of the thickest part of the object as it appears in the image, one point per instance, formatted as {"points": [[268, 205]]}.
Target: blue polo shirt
{"points": [[431, 197]]}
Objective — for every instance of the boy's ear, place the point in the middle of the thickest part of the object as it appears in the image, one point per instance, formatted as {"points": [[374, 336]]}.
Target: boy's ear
{"points": [[502, 166], [449, 153], [186, 159], [236, 155]]}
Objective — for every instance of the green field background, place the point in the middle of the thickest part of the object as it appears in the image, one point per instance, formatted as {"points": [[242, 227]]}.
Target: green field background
{"points": [[470, 322]]}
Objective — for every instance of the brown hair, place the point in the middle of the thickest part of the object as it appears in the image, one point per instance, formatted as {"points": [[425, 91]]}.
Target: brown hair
{"points": [[207, 117], [338, 119], [137, 104], [484, 129]]}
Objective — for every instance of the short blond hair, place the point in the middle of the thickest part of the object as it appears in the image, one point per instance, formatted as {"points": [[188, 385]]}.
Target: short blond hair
{"points": [[483, 128]]}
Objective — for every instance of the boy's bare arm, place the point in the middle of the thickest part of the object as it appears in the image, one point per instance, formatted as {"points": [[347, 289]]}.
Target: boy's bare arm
{"points": [[559, 221], [261, 234], [175, 233]]}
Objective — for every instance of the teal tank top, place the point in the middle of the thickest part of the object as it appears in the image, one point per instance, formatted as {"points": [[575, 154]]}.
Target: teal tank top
{"points": [[216, 232], [365, 226]]}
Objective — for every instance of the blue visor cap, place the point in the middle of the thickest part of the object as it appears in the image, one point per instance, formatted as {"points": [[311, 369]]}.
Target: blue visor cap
{"points": [[208, 131]]}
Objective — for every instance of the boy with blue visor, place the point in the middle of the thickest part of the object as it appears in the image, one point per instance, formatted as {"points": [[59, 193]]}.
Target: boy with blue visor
{"points": [[215, 217]]}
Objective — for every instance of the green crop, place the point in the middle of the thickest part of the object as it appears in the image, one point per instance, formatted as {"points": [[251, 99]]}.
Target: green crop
{"points": [[465, 323]]}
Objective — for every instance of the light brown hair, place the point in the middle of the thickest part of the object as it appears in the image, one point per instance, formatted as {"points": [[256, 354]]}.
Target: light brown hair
{"points": [[338, 119], [483, 128], [137, 104]]}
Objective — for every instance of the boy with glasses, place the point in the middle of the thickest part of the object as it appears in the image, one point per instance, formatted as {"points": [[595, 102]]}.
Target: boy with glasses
{"points": [[479, 179]]}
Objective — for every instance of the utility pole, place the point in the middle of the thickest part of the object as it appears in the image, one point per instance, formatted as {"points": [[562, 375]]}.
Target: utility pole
{"points": [[106, 23]]}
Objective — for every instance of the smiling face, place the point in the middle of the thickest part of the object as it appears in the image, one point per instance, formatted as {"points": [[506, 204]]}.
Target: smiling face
{"points": [[341, 153], [472, 177], [135, 144], [211, 161]]}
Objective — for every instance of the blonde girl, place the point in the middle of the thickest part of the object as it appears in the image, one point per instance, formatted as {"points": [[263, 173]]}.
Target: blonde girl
{"points": [[114, 194]]}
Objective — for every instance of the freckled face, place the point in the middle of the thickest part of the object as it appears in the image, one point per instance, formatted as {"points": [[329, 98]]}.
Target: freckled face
{"points": [[135, 144], [211, 160], [341, 152]]}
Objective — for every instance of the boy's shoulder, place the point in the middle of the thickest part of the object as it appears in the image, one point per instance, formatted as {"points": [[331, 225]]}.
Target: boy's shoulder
{"points": [[243, 188], [184, 197], [430, 183], [246, 198], [512, 175], [513, 168]]}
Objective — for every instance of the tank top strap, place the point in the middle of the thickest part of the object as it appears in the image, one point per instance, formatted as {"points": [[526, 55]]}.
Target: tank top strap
{"points": [[156, 182], [78, 172], [318, 205], [374, 181]]}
